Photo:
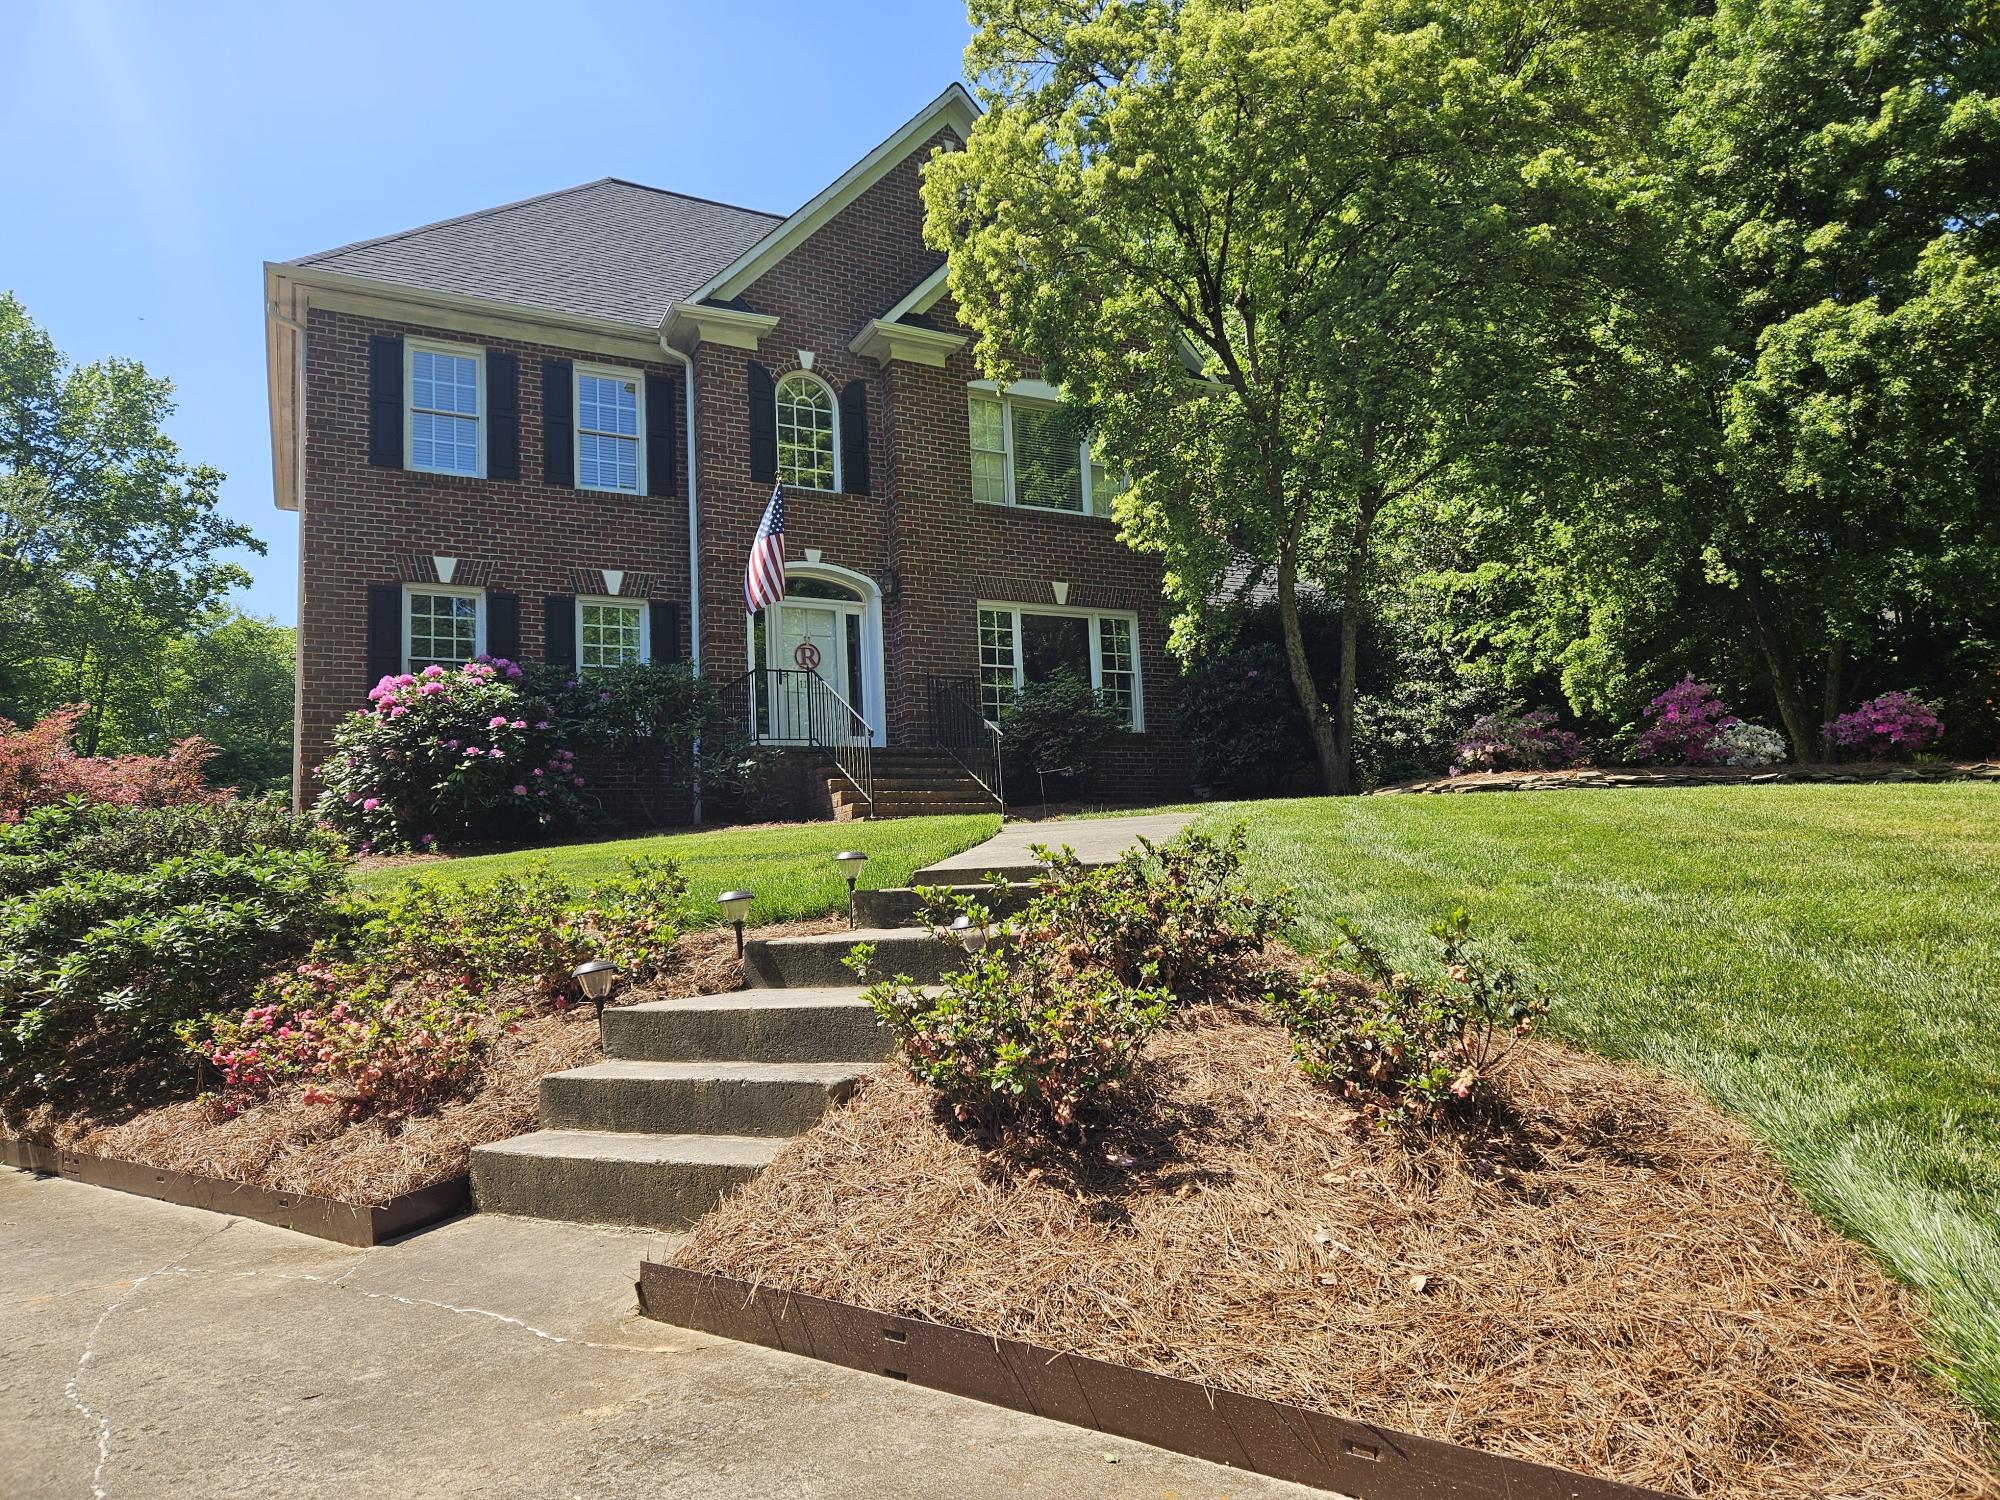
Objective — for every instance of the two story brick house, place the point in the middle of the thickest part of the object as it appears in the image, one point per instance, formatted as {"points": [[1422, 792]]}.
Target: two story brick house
{"points": [[549, 430]]}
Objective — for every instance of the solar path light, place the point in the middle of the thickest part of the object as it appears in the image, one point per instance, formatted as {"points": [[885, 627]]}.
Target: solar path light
{"points": [[596, 979], [735, 907], [850, 862]]}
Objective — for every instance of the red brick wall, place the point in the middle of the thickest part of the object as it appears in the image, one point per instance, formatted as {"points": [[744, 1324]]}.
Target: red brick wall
{"points": [[918, 530], [362, 525]]}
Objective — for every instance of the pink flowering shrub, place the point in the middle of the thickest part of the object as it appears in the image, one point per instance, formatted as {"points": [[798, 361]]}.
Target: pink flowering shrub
{"points": [[1686, 726], [1886, 728], [39, 766], [439, 754], [401, 1015], [1516, 741]]}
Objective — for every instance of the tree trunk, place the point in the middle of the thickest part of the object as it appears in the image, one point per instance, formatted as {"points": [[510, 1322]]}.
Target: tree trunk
{"points": [[1332, 765], [1836, 662], [1779, 667]]}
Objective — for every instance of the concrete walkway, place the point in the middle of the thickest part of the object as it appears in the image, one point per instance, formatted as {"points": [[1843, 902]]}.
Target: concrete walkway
{"points": [[155, 1352], [1097, 841]]}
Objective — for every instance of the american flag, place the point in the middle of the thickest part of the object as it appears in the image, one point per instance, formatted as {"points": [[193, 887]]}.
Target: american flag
{"points": [[764, 577]]}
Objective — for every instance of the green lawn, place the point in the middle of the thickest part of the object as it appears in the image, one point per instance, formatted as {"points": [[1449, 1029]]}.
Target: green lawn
{"points": [[1824, 961], [790, 867]]}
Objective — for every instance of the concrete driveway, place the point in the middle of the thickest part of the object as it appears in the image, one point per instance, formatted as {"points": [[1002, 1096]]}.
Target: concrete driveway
{"points": [[154, 1352]]}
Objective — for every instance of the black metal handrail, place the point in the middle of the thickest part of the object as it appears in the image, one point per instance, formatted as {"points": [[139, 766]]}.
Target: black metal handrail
{"points": [[788, 707], [960, 728]]}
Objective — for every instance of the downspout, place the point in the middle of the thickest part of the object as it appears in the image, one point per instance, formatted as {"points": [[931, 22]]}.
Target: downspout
{"points": [[686, 363]]}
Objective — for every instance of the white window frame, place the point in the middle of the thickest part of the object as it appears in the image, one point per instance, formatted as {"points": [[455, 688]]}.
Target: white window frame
{"points": [[605, 372], [995, 606], [777, 437], [411, 348], [645, 624], [445, 590], [1008, 400]]}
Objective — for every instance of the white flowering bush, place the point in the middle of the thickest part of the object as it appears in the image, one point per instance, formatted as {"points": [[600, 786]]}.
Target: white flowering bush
{"points": [[1746, 744]]}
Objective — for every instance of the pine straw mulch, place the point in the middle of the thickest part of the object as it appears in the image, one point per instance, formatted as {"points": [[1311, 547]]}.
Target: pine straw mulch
{"points": [[290, 1146], [1610, 1276]]}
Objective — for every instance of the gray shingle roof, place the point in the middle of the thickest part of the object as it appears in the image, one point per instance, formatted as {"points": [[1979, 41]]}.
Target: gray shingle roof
{"points": [[608, 249]]}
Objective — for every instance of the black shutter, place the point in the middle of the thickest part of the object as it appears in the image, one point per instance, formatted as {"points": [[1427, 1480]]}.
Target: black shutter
{"points": [[662, 448], [763, 425], [385, 401], [385, 631], [503, 625], [854, 437], [559, 629], [503, 415], [558, 423], [666, 631]]}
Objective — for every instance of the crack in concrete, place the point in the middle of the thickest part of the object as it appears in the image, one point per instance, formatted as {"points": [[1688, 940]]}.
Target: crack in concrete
{"points": [[337, 1284], [73, 1387]]}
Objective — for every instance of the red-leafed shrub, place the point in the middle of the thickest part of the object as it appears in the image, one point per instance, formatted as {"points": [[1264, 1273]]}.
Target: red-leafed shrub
{"points": [[39, 766]]}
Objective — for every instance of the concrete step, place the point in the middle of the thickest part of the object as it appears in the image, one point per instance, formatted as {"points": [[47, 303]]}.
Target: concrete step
{"points": [[609, 1177], [897, 906], [829, 1023], [792, 963], [711, 1098]]}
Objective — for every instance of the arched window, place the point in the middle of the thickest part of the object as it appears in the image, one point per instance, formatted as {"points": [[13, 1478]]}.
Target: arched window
{"points": [[805, 433]]}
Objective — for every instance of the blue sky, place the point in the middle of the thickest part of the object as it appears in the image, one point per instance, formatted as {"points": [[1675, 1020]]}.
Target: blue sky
{"points": [[160, 154]]}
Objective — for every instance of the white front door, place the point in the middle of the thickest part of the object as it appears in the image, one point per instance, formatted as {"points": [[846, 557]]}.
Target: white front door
{"points": [[810, 639]]}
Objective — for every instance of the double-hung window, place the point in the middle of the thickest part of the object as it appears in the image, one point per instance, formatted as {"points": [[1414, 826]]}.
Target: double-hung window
{"points": [[610, 633], [447, 405], [610, 431], [1020, 645], [442, 627], [1035, 454]]}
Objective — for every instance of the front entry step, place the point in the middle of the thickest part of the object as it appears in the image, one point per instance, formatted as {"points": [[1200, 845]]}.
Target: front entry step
{"points": [[902, 907], [792, 963], [611, 1177], [711, 1098], [825, 1023]]}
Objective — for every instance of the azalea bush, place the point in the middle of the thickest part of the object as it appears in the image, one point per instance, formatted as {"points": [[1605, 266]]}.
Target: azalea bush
{"points": [[1401, 1048], [1057, 725], [1685, 726], [1890, 727], [40, 766], [401, 1014], [1169, 916], [1021, 1043], [443, 754], [1517, 741], [1747, 744]]}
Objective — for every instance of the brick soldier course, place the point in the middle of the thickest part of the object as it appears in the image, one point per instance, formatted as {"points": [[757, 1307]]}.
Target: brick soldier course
{"points": [[671, 291]]}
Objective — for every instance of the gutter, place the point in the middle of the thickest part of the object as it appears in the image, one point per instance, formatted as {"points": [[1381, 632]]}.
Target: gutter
{"points": [[686, 362]]}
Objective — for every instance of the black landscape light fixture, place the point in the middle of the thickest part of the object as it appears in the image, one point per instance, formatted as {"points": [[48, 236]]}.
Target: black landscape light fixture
{"points": [[850, 862], [596, 979], [735, 907]]}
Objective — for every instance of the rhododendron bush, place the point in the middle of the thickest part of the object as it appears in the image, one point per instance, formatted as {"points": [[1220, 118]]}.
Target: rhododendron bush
{"points": [[39, 766], [1685, 725], [1887, 728], [445, 753]]}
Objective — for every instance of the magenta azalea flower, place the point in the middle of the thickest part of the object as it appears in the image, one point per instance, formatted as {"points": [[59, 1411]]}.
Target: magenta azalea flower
{"points": [[519, 790]]}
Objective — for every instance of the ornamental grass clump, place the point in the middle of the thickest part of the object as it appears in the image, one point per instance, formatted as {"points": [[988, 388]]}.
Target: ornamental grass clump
{"points": [[1686, 725], [1516, 741], [1401, 1048], [1891, 727], [444, 754]]}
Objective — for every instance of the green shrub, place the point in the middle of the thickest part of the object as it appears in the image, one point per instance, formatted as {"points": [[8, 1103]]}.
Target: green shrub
{"points": [[1172, 916], [44, 847], [402, 1017], [97, 969], [1402, 1048], [1056, 725], [1035, 1045]]}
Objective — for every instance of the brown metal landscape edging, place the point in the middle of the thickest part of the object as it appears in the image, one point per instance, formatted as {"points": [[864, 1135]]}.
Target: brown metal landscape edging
{"points": [[359, 1224], [1245, 1432]]}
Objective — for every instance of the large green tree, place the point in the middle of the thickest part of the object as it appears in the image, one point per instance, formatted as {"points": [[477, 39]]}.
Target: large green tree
{"points": [[109, 541], [1300, 261]]}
